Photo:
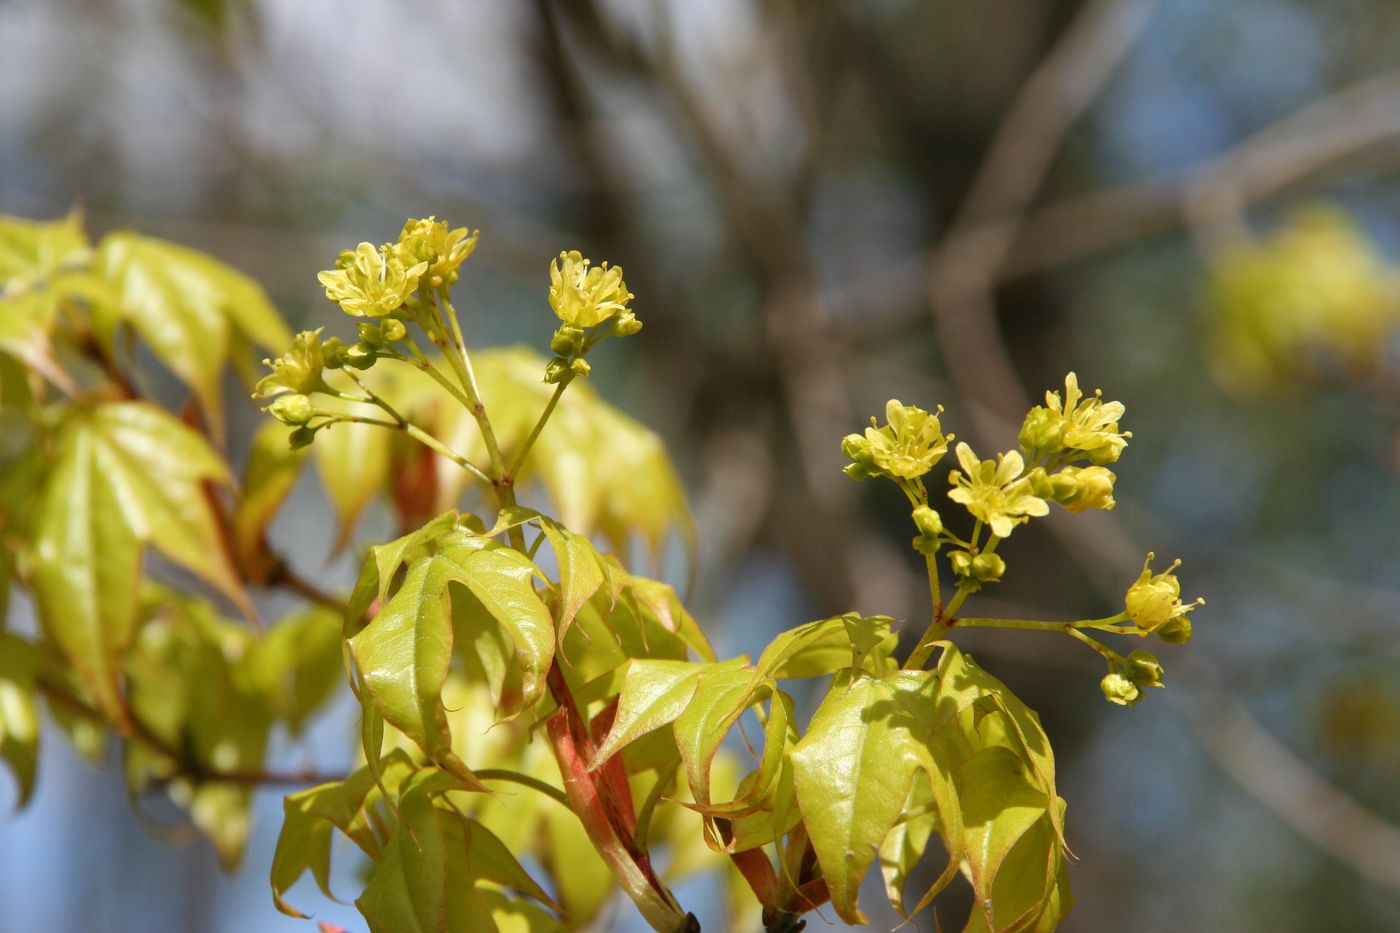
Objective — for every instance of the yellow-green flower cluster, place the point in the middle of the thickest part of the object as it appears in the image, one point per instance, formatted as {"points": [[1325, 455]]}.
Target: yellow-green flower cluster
{"points": [[585, 295], [994, 491], [1154, 604], [907, 447], [372, 281], [298, 370], [1075, 427], [1315, 297], [431, 241]]}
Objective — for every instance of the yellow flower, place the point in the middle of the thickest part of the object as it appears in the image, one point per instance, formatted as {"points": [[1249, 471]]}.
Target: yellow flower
{"points": [[370, 282], [909, 444], [1155, 600], [298, 370], [994, 490], [1087, 425], [585, 296], [429, 240]]}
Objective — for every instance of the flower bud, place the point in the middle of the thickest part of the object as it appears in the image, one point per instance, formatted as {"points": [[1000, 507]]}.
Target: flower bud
{"points": [[1176, 631], [961, 562], [393, 330], [556, 371], [567, 340], [360, 356], [1119, 689], [1144, 670], [370, 335], [302, 437], [626, 324], [334, 352], [929, 522], [987, 568], [580, 367], [857, 447], [1043, 432], [292, 410]]}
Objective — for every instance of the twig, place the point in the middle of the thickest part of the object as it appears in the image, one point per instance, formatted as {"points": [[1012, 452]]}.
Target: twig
{"points": [[187, 767]]}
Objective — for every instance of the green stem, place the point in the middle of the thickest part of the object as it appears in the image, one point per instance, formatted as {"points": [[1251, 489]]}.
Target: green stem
{"points": [[461, 364], [524, 780], [1037, 625], [420, 362], [539, 426], [935, 591], [1108, 654], [413, 431]]}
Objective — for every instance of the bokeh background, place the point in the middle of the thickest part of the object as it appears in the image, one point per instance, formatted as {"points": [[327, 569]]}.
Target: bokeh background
{"points": [[822, 205]]}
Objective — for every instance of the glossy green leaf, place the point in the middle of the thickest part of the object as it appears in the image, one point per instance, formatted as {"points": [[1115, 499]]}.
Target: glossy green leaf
{"points": [[1031, 891], [304, 843], [853, 771], [408, 888], [999, 805], [722, 693], [653, 694], [828, 646], [403, 655], [124, 474], [904, 846], [19, 718], [963, 684], [185, 305], [581, 570]]}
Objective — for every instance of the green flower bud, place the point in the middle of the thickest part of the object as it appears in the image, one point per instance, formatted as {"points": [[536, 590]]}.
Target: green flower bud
{"points": [[292, 410], [1043, 432], [370, 335], [626, 324], [857, 447], [334, 352], [1119, 689], [1144, 670], [302, 437], [1176, 631], [556, 371], [567, 340], [580, 367], [360, 356], [929, 522], [987, 568], [961, 562], [926, 546], [393, 330]]}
